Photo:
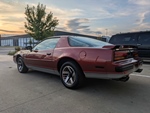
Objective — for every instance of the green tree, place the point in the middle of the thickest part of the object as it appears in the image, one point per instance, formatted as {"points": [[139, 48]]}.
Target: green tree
{"points": [[30, 42], [39, 25]]}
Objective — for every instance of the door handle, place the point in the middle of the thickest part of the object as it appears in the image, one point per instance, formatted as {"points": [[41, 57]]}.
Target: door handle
{"points": [[48, 53]]}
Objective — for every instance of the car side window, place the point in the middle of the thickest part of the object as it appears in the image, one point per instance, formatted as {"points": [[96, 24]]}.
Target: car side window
{"points": [[77, 43], [46, 44], [144, 39]]}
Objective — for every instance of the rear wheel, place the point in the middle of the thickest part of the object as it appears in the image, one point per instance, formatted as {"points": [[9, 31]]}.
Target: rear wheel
{"points": [[21, 66], [71, 75]]}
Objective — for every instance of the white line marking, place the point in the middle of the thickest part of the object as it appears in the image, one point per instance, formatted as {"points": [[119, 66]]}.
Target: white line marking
{"points": [[147, 76]]}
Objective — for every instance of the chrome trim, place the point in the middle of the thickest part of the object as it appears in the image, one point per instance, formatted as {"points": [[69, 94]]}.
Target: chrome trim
{"points": [[104, 76], [20, 65], [68, 75], [116, 75], [55, 72]]}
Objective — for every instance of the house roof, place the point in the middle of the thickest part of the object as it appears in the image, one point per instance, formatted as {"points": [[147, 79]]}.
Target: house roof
{"points": [[56, 33]]}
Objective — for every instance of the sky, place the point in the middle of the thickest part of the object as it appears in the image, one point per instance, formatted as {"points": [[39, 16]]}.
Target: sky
{"points": [[92, 17]]}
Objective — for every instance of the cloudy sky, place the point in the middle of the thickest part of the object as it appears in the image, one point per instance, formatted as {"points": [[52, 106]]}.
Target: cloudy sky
{"points": [[93, 17]]}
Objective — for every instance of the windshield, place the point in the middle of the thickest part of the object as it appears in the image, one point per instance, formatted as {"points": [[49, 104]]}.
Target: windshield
{"points": [[86, 42]]}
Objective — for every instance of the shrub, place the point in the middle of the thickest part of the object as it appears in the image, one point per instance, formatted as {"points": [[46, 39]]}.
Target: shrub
{"points": [[17, 48], [12, 52]]}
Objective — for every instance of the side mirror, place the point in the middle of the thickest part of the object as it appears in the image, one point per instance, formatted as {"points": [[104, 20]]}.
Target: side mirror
{"points": [[28, 48]]}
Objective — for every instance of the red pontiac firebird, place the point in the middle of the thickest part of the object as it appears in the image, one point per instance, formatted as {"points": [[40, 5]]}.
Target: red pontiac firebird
{"points": [[75, 58]]}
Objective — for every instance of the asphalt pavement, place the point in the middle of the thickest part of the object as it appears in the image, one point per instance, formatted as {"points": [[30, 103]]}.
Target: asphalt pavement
{"points": [[37, 92]]}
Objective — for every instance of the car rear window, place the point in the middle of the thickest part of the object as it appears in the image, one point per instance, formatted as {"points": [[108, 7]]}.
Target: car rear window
{"points": [[123, 39], [86, 42]]}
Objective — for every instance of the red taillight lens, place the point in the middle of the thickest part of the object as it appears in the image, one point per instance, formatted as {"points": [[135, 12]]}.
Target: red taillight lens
{"points": [[135, 54], [120, 55]]}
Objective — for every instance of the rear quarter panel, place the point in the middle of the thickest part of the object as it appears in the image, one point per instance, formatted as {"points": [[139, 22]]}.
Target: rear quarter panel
{"points": [[90, 59]]}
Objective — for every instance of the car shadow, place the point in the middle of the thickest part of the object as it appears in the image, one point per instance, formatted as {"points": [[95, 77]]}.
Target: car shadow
{"points": [[96, 85], [146, 62]]}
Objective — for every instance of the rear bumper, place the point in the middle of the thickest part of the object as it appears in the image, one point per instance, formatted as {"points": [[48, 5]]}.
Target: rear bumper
{"points": [[134, 66], [122, 69]]}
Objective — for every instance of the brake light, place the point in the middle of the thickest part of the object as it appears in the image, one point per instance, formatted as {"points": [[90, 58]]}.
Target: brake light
{"points": [[120, 55], [135, 54]]}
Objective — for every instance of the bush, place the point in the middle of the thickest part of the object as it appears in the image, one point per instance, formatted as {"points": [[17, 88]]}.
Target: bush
{"points": [[17, 48], [12, 52]]}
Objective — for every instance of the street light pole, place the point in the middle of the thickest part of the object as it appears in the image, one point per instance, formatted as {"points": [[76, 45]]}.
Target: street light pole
{"points": [[106, 32], [0, 39]]}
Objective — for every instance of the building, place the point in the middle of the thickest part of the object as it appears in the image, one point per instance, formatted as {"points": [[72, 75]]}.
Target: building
{"points": [[27, 40], [105, 38]]}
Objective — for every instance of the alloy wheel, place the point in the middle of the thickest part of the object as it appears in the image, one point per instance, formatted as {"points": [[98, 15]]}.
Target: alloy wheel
{"points": [[20, 65], [68, 75]]}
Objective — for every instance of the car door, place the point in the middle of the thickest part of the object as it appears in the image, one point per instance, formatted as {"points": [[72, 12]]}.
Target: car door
{"points": [[144, 45], [41, 57]]}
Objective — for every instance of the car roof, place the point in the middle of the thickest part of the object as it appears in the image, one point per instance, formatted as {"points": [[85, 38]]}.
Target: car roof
{"points": [[132, 33]]}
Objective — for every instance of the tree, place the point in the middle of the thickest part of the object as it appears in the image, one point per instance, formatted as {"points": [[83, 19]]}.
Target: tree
{"points": [[39, 25], [30, 42]]}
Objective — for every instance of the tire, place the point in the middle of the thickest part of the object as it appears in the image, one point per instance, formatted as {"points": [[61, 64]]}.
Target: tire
{"points": [[21, 66], [71, 75]]}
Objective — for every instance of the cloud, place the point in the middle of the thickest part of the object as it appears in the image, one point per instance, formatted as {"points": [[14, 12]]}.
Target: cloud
{"points": [[8, 31], [12, 14], [80, 25], [75, 24], [12, 19], [90, 32], [141, 17], [147, 17], [140, 2], [17, 9], [142, 23]]}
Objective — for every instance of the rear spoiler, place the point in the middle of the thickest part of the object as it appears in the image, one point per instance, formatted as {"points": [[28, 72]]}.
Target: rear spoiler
{"points": [[120, 46]]}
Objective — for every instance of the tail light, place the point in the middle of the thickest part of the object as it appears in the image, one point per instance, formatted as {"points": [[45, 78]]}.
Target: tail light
{"points": [[135, 54], [120, 55]]}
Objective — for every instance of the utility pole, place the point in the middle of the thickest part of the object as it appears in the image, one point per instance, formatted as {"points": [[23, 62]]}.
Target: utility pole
{"points": [[0, 39], [106, 32]]}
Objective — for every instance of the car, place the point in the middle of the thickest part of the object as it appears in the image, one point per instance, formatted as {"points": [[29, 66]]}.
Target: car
{"points": [[76, 58], [141, 40]]}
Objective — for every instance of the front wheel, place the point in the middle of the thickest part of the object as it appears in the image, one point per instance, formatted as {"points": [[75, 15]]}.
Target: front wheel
{"points": [[71, 75], [21, 66]]}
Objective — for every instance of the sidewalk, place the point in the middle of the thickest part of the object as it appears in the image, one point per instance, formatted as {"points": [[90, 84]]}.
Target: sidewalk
{"points": [[4, 58], [5, 50]]}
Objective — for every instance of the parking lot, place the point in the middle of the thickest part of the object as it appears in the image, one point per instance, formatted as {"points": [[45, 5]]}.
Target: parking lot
{"points": [[37, 92]]}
